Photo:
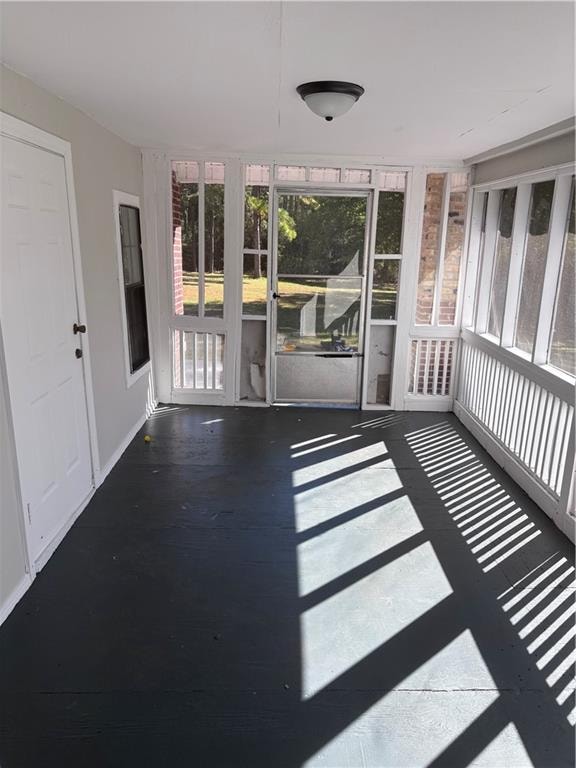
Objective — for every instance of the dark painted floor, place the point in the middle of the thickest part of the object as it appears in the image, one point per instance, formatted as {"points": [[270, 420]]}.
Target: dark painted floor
{"points": [[291, 587]]}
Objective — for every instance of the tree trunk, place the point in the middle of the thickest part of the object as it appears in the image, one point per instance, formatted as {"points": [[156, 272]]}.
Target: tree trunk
{"points": [[258, 256], [212, 246]]}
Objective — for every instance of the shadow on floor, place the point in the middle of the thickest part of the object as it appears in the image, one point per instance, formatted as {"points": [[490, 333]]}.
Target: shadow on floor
{"points": [[293, 588]]}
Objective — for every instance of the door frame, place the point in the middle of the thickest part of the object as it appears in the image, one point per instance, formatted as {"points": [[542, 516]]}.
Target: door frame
{"points": [[18, 130], [330, 191]]}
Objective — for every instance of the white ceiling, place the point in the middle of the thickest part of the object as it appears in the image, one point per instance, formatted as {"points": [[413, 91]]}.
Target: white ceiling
{"points": [[442, 79]]}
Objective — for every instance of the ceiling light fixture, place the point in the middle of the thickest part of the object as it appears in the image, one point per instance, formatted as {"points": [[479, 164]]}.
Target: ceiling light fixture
{"points": [[330, 98]]}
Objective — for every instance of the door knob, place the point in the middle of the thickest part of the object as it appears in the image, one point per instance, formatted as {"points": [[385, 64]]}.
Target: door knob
{"points": [[276, 295], [79, 328], [78, 353]]}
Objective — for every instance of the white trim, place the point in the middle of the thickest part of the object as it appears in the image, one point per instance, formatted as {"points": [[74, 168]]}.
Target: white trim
{"points": [[116, 456], [550, 132], [356, 162], [529, 177], [428, 402], [19, 130], [514, 469], [558, 225], [15, 596], [123, 198], [543, 375]]}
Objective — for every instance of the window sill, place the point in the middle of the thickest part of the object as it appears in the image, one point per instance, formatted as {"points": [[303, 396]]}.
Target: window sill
{"points": [[132, 378]]}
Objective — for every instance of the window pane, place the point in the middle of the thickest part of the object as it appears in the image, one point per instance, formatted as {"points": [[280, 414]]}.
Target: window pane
{"points": [[137, 328], [562, 350], [385, 289], [318, 315], [356, 176], [453, 248], [213, 248], [258, 174], [256, 218], [481, 252], [255, 284], [130, 240], [430, 248], [321, 235], [534, 265], [185, 225], [392, 181], [389, 222], [134, 293], [501, 262], [325, 174], [291, 173]]}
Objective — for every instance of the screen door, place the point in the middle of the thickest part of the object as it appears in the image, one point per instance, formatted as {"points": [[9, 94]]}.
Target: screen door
{"points": [[318, 296]]}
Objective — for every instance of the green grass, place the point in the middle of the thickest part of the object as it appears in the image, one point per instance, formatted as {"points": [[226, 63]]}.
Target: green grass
{"points": [[254, 296]]}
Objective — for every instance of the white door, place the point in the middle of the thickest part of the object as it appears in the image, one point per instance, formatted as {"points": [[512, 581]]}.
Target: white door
{"points": [[319, 290], [38, 310]]}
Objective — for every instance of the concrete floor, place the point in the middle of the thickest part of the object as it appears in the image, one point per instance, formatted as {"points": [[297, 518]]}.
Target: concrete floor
{"points": [[295, 587]]}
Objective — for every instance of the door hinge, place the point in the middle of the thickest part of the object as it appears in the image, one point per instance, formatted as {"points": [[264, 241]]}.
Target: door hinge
{"points": [[29, 514]]}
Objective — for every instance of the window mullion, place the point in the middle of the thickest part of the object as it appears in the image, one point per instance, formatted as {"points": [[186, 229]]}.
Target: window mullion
{"points": [[489, 252], [519, 231], [558, 223]]}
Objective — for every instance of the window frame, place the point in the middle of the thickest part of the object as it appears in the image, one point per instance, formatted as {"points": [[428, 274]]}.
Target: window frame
{"points": [[480, 261], [124, 198]]}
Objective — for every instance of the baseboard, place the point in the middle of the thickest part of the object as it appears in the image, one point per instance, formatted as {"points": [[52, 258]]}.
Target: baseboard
{"points": [[516, 471], [105, 471], [14, 597], [438, 403]]}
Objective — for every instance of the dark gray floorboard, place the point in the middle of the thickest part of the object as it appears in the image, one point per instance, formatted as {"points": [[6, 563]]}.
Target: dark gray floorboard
{"points": [[289, 587]]}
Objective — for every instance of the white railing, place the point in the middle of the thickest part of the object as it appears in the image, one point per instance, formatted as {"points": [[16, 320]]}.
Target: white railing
{"points": [[431, 366], [199, 360], [527, 410]]}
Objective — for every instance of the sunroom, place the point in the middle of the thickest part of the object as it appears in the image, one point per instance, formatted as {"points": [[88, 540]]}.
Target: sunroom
{"points": [[287, 379]]}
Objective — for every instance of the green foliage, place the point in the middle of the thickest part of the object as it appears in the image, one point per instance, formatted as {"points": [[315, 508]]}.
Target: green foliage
{"points": [[327, 233]]}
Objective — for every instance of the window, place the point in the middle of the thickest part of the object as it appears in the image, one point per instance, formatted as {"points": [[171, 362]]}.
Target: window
{"points": [[453, 248], [198, 238], [534, 265], [441, 248], [502, 262], [255, 264], [133, 295], [562, 348], [385, 288], [525, 243], [389, 222]]}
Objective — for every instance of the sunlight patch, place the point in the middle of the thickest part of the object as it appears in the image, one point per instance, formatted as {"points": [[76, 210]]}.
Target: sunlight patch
{"points": [[328, 500], [338, 464], [346, 627], [338, 550]]}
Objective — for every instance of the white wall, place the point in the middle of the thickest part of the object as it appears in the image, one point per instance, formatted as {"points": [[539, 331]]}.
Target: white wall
{"points": [[545, 154], [102, 162], [12, 553]]}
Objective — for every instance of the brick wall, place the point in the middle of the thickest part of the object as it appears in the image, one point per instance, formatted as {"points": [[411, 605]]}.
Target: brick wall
{"points": [[431, 234], [452, 257]]}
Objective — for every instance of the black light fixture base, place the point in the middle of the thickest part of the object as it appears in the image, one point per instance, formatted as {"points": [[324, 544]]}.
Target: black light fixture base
{"points": [[330, 86]]}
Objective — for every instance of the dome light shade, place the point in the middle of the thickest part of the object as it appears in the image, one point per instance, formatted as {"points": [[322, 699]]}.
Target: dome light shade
{"points": [[330, 98]]}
